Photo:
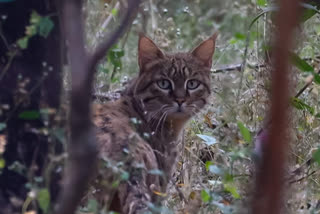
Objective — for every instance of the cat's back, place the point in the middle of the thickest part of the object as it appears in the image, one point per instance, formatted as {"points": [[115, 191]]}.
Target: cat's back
{"points": [[113, 127]]}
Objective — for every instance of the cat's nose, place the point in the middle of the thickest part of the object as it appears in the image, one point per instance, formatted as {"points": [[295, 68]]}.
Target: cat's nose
{"points": [[180, 101]]}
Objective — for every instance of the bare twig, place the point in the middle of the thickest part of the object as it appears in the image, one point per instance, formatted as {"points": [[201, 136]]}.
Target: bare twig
{"points": [[106, 22], [102, 48], [302, 178], [82, 149]]}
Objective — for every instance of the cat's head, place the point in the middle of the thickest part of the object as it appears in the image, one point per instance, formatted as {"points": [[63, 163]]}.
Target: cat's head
{"points": [[173, 85]]}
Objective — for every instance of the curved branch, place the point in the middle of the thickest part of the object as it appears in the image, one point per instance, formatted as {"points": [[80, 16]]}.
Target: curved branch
{"points": [[102, 48], [82, 148]]}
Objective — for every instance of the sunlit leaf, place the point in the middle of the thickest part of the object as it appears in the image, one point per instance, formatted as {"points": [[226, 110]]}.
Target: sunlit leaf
{"points": [[229, 187], [208, 164], [114, 11], [262, 3], [301, 64], [207, 139], [205, 196], [29, 115], [244, 132], [43, 198], [2, 163]]}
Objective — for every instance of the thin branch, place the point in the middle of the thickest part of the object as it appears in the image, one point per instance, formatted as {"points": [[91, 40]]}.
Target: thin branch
{"points": [[82, 151], [305, 86], [302, 178], [106, 23], [102, 48]]}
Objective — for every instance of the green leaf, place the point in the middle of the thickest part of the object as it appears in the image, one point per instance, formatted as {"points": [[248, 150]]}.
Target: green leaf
{"points": [[309, 11], [307, 14], [262, 3], [316, 156], [35, 18], [43, 198], [240, 36], [114, 12], [23, 42], [299, 104], [205, 196], [244, 132], [2, 163], [316, 78], [207, 139], [45, 26], [29, 115], [229, 187], [301, 64], [2, 126], [208, 164]]}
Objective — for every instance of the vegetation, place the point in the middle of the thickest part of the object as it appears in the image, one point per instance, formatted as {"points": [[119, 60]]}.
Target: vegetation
{"points": [[216, 170]]}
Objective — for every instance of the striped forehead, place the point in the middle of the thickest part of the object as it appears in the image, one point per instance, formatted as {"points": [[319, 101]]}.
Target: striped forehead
{"points": [[179, 69]]}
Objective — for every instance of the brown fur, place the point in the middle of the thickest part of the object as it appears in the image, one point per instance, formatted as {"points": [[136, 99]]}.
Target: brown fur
{"points": [[162, 99]]}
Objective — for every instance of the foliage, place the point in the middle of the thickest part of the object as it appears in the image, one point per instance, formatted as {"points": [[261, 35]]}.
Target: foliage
{"points": [[219, 142], [39, 25], [216, 169]]}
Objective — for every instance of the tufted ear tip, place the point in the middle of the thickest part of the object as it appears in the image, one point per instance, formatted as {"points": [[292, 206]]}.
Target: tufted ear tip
{"points": [[204, 52]]}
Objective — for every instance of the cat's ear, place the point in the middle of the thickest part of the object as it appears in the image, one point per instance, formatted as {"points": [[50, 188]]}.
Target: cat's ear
{"points": [[205, 50], [147, 51]]}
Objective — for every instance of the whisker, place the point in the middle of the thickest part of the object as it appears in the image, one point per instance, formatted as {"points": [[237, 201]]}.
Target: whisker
{"points": [[163, 116], [164, 121]]}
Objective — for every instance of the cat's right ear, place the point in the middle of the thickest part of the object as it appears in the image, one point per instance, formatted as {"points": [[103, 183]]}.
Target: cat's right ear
{"points": [[147, 51]]}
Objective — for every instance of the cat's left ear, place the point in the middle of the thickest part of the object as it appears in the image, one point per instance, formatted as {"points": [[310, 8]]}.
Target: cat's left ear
{"points": [[205, 50], [147, 51]]}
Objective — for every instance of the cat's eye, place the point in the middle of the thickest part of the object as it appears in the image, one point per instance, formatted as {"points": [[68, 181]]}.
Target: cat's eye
{"points": [[192, 84], [164, 84]]}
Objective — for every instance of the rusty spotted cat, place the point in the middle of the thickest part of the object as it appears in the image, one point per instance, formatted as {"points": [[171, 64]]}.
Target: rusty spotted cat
{"points": [[142, 130]]}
